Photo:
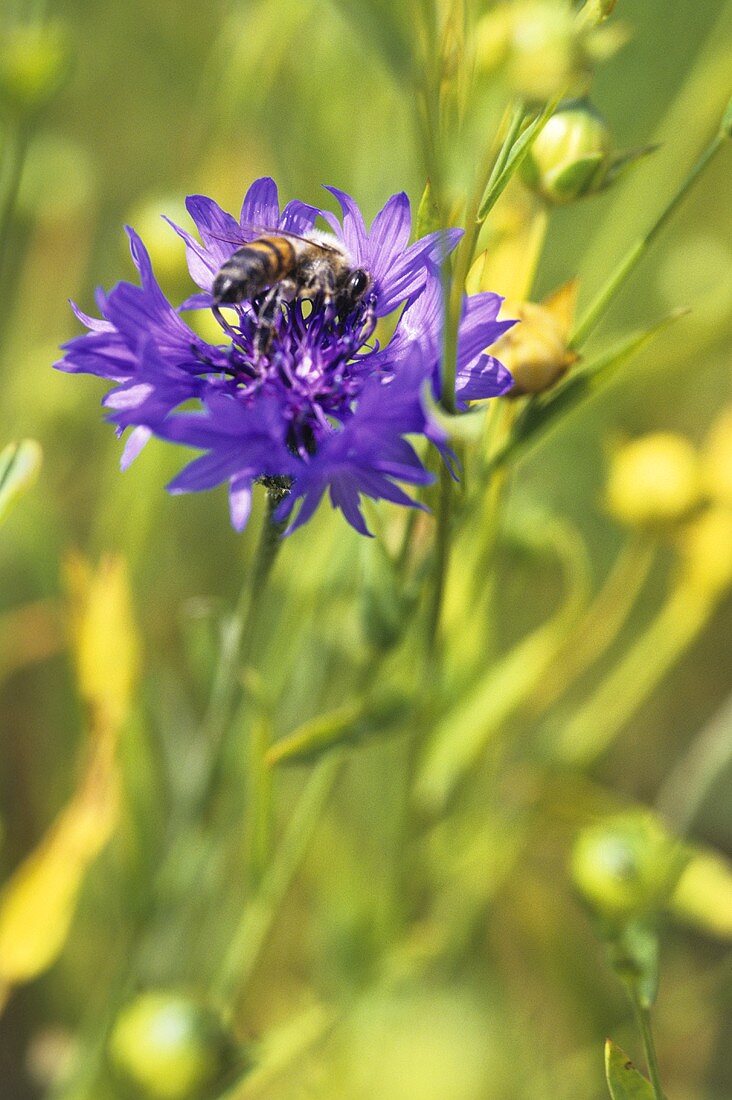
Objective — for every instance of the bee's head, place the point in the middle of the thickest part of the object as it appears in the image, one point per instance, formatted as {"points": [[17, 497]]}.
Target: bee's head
{"points": [[352, 289]]}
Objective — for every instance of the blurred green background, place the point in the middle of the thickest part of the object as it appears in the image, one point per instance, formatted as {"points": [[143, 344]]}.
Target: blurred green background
{"points": [[169, 99]]}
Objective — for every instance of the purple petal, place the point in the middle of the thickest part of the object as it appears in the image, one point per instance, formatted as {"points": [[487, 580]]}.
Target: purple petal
{"points": [[240, 502], [298, 217], [261, 208], [136, 440], [389, 234], [486, 378], [353, 232]]}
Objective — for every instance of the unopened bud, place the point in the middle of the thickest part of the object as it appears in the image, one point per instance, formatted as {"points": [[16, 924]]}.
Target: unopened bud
{"points": [[34, 62], [537, 43], [536, 349], [654, 481], [170, 1046], [571, 156], [626, 867]]}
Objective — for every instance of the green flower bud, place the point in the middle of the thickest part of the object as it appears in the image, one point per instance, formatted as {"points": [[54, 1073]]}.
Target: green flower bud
{"points": [[34, 62], [170, 1046], [538, 45], [571, 156], [625, 867]]}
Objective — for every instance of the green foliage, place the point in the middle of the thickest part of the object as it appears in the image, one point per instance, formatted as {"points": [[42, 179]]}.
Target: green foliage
{"points": [[623, 1079], [359, 850], [19, 466]]}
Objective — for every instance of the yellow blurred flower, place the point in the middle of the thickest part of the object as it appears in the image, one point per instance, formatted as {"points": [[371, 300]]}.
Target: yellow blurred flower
{"points": [[707, 552], [717, 459], [38, 902], [654, 481]]}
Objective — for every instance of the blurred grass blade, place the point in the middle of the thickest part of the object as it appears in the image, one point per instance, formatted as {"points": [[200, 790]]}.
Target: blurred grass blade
{"points": [[630, 261], [39, 901], [19, 466], [463, 735], [623, 1079], [381, 25], [260, 913], [541, 414], [348, 723], [315, 737]]}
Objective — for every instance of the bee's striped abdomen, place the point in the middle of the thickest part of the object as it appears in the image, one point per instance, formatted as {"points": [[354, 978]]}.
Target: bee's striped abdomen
{"points": [[254, 268]]}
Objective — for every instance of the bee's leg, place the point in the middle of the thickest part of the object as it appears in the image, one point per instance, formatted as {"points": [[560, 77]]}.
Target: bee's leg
{"points": [[318, 283], [266, 317]]}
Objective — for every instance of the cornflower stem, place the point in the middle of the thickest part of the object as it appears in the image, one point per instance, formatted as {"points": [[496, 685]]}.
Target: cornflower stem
{"points": [[627, 265], [442, 559], [643, 1019], [260, 913], [237, 637]]}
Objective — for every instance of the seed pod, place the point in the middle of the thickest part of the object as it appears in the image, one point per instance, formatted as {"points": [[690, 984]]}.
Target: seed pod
{"points": [[170, 1046], [626, 866]]}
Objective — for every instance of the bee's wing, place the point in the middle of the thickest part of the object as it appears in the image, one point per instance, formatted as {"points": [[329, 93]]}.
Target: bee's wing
{"points": [[261, 232]]}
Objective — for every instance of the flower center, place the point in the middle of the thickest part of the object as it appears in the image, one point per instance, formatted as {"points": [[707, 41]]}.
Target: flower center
{"points": [[306, 354]]}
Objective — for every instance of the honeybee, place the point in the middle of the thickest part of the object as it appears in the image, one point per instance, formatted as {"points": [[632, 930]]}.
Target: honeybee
{"points": [[285, 266]]}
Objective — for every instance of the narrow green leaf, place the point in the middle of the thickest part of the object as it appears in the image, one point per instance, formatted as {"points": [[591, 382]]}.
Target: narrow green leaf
{"points": [[623, 1079], [19, 466], [519, 150], [726, 123], [348, 723], [541, 414], [428, 216], [621, 162]]}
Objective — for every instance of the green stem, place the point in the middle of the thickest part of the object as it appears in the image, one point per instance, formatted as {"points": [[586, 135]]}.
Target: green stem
{"points": [[260, 914], [628, 264], [442, 553], [643, 1019], [17, 140], [237, 637]]}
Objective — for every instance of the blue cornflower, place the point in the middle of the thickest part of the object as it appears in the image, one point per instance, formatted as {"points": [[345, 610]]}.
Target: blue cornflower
{"points": [[313, 401]]}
